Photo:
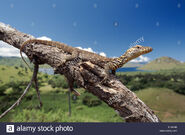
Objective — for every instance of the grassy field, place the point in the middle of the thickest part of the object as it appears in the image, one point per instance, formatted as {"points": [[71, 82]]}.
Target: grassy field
{"points": [[168, 105], [55, 109], [8, 73]]}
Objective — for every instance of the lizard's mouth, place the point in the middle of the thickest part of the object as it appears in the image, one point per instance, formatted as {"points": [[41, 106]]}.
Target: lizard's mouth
{"points": [[144, 51], [147, 50]]}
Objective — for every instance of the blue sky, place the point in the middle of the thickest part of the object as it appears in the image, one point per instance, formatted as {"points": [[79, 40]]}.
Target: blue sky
{"points": [[109, 26]]}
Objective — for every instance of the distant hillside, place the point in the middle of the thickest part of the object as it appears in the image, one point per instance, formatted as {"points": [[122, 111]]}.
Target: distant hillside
{"points": [[8, 74], [17, 61], [163, 63], [12, 61], [134, 64]]}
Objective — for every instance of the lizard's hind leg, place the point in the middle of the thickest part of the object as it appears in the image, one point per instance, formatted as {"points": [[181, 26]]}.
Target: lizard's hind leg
{"points": [[69, 102], [37, 89], [70, 84]]}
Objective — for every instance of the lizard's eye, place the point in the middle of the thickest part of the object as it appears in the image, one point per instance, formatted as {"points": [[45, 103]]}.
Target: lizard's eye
{"points": [[138, 46]]}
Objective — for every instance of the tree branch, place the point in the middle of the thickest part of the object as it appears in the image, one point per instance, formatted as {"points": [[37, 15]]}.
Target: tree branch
{"points": [[86, 74], [24, 93]]}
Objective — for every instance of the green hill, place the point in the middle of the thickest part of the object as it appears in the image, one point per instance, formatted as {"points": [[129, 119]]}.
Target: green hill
{"points": [[163, 63], [12, 61], [134, 64], [8, 73], [17, 61], [168, 105]]}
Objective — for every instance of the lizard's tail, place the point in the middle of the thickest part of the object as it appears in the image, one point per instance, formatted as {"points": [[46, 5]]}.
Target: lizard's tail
{"points": [[22, 46]]}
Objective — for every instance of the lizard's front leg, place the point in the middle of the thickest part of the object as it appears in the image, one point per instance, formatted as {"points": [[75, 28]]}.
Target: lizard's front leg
{"points": [[74, 55], [107, 72]]}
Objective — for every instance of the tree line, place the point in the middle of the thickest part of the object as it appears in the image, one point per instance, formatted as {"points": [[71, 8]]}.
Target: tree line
{"points": [[174, 81]]}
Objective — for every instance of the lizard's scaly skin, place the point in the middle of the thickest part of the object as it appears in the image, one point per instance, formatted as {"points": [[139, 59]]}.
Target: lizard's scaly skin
{"points": [[107, 63], [93, 57], [130, 54]]}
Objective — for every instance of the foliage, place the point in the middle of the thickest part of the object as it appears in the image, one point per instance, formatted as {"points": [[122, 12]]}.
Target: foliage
{"points": [[55, 109], [58, 81], [3, 87], [91, 101], [15, 89], [174, 81]]}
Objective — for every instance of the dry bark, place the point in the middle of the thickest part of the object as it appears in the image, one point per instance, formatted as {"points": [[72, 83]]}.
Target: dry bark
{"points": [[86, 75]]}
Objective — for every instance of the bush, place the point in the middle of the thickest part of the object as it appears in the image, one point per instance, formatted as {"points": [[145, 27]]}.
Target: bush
{"points": [[3, 89], [58, 81], [90, 101], [17, 89]]}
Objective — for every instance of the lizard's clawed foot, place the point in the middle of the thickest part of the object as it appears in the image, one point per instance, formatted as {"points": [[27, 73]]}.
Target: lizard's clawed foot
{"points": [[104, 80], [76, 92]]}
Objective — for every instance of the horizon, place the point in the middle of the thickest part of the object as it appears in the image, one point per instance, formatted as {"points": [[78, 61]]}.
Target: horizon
{"points": [[106, 28]]}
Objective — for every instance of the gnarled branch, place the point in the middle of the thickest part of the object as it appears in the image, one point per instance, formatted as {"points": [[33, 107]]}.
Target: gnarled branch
{"points": [[36, 67], [86, 74]]}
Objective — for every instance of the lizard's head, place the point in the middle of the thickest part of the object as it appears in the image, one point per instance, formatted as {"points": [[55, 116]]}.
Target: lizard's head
{"points": [[137, 50]]}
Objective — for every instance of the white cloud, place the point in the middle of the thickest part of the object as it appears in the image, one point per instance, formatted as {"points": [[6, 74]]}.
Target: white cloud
{"points": [[8, 50], [141, 59], [91, 50], [44, 38], [102, 54], [86, 49]]}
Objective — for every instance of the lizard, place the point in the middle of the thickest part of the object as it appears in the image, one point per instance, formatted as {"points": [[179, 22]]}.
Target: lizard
{"points": [[107, 63]]}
